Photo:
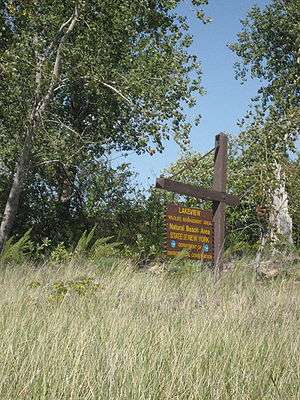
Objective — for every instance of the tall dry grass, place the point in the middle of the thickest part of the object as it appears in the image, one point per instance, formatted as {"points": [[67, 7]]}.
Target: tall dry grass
{"points": [[95, 333]]}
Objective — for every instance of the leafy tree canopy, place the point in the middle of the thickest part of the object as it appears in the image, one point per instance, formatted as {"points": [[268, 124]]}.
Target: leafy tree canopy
{"points": [[269, 49], [125, 74], [80, 79]]}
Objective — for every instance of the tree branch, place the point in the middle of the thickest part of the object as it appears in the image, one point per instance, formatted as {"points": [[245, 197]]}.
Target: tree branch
{"points": [[118, 92], [57, 64]]}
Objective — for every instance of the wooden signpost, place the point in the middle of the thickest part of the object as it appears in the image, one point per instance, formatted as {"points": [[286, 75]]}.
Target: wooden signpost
{"points": [[219, 197]]}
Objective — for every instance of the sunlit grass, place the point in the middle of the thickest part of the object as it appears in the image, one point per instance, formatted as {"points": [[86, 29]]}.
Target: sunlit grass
{"points": [[90, 333]]}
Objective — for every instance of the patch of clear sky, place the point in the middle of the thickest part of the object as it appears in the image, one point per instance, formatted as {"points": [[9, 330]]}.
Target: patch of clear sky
{"points": [[226, 100]]}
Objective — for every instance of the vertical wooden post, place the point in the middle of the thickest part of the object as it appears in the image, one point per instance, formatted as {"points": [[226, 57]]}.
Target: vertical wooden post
{"points": [[219, 184]]}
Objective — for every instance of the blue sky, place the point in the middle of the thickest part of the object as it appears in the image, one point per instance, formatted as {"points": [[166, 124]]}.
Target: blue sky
{"points": [[226, 100]]}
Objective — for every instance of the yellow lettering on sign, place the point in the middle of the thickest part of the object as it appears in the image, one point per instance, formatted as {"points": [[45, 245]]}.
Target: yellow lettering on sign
{"points": [[191, 220], [191, 238], [209, 223], [189, 246], [189, 229], [192, 229], [205, 232], [201, 256], [198, 256], [177, 227], [189, 211], [174, 218], [196, 221]]}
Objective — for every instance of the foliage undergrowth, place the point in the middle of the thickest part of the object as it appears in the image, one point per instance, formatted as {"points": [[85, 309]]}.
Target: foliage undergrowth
{"points": [[23, 249], [98, 331]]}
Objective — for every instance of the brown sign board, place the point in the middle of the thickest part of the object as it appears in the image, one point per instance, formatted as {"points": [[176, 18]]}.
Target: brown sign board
{"points": [[191, 230]]}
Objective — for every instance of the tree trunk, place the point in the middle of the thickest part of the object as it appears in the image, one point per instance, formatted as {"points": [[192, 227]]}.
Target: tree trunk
{"points": [[13, 200], [41, 103], [281, 224]]}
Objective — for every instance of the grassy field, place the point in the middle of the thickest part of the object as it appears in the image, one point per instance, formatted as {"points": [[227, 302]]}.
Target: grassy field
{"points": [[90, 332]]}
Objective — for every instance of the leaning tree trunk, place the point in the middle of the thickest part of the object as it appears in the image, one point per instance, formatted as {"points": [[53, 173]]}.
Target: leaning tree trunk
{"points": [[40, 107], [13, 200], [281, 224]]}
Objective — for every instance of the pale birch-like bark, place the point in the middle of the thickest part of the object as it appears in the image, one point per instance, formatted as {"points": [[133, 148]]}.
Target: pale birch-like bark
{"points": [[41, 103], [13, 200], [280, 220]]}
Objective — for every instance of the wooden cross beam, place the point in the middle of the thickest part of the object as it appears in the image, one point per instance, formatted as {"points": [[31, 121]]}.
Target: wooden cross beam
{"points": [[195, 191], [217, 194]]}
